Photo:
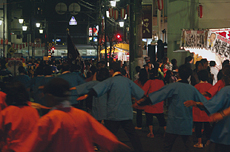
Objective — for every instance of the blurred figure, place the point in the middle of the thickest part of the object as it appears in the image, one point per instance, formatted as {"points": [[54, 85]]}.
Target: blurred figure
{"points": [[143, 78], [97, 105], [152, 85], [136, 76], [200, 118], [18, 119], [194, 77], [174, 65], [220, 74], [69, 128], [74, 80], [214, 71], [23, 78]]}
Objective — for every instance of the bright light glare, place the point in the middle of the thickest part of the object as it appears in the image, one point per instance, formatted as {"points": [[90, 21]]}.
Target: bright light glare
{"points": [[121, 24], [20, 20], [24, 28], [38, 25], [113, 3]]}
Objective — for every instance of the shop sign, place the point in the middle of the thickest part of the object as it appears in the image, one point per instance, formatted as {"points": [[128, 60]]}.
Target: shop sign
{"points": [[194, 38], [147, 21], [219, 42]]}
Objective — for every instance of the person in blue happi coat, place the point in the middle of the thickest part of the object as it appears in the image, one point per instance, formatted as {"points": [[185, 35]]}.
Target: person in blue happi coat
{"points": [[180, 120], [99, 105], [219, 107], [119, 104], [74, 80]]}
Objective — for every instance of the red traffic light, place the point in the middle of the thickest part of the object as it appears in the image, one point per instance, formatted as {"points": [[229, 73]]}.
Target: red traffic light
{"points": [[52, 48], [118, 36]]}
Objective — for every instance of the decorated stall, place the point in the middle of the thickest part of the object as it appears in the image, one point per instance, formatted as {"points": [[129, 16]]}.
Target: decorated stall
{"points": [[212, 44]]}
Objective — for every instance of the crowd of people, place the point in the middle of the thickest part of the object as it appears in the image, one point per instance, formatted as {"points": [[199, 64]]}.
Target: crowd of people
{"points": [[193, 98]]}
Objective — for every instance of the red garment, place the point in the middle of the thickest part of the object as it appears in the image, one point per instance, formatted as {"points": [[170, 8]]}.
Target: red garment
{"points": [[15, 125], [199, 115], [68, 130], [140, 85], [216, 88], [152, 86], [3, 104]]}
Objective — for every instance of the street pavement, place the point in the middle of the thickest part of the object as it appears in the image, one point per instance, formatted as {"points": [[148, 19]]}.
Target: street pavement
{"points": [[154, 144]]}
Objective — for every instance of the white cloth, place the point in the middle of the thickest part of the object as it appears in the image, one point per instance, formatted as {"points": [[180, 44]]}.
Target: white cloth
{"points": [[214, 71]]}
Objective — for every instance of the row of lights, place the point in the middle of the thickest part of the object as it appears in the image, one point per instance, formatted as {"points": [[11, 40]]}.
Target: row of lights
{"points": [[24, 27], [113, 4]]}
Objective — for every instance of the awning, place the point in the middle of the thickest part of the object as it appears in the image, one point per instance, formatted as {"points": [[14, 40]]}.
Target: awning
{"points": [[120, 47]]}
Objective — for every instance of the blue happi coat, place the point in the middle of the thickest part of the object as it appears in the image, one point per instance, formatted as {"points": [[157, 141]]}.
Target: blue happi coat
{"points": [[99, 104], [180, 120], [74, 80], [119, 89], [221, 101]]}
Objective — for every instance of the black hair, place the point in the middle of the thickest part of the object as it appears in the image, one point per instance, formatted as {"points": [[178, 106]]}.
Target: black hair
{"points": [[226, 74], [93, 69], [197, 64], [137, 68], [65, 67], [48, 70], [102, 74], [143, 76], [57, 87], [188, 59], [204, 61], [184, 72], [21, 69], [115, 67], [226, 62], [39, 71], [16, 94], [203, 75], [212, 63], [167, 76]]}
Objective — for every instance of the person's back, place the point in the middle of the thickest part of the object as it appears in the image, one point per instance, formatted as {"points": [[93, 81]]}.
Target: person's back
{"points": [[66, 128], [74, 79], [152, 86], [18, 119], [119, 100], [67, 132]]}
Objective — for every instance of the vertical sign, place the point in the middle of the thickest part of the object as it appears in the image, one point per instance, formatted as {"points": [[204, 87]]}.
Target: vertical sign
{"points": [[147, 21]]}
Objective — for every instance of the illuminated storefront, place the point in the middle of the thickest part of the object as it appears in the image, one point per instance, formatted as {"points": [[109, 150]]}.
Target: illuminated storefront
{"points": [[212, 44]]}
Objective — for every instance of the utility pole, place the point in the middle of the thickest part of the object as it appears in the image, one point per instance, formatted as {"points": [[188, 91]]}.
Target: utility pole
{"points": [[135, 36], [105, 18]]}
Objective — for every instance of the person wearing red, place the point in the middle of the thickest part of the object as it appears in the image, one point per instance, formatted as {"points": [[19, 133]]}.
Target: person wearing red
{"points": [[3, 104], [200, 117], [157, 110], [18, 119], [217, 87], [66, 128], [143, 77]]}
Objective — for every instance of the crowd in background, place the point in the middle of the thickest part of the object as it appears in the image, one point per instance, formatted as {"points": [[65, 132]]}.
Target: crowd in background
{"points": [[92, 77]]}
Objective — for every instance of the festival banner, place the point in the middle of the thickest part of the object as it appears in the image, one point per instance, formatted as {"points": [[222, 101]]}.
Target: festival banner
{"points": [[147, 21], [194, 38], [219, 42]]}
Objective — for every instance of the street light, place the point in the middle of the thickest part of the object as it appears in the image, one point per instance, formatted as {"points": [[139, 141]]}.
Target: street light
{"points": [[41, 31], [38, 25], [20, 20], [0, 22], [24, 28], [113, 3], [122, 23]]}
